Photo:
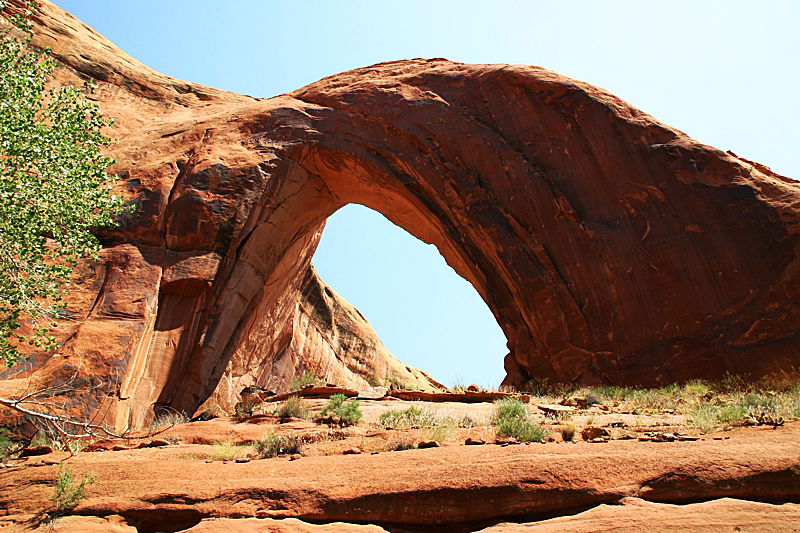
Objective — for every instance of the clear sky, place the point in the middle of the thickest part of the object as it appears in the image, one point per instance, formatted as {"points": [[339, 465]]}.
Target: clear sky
{"points": [[725, 72]]}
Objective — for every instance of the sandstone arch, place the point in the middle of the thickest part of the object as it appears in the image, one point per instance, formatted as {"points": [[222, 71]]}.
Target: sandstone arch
{"points": [[610, 247]]}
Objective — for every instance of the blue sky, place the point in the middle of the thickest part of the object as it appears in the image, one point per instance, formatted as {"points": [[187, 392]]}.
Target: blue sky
{"points": [[724, 72]]}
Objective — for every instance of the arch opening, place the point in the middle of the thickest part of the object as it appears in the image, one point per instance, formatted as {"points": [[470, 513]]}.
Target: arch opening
{"points": [[424, 313]]}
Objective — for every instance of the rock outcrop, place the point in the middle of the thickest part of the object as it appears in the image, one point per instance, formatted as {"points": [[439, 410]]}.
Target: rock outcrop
{"points": [[451, 488], [610, 247]]}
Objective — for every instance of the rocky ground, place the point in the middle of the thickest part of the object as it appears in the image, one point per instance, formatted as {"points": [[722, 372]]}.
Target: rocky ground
{"points": [[634, 472]]}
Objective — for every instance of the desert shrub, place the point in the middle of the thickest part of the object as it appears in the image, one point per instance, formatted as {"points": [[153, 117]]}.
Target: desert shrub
{"points": [[732, 383], [522, 429], [696, 387], [703, 416], [245, 408], [226, 451], [509, 408], [294, 407], [568, 432], [44, 437], [7, 446], [272, 445], [68, 491], [538, 386], [341, 412], [732, 414], [467, 422], [593, 398], [511, 419], [305, 380], [400, 443], [441, 431], [396, 419], [169, 418]]}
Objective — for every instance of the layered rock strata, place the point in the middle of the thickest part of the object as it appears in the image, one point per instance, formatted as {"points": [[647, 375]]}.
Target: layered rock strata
{"points": [[611, 248]]}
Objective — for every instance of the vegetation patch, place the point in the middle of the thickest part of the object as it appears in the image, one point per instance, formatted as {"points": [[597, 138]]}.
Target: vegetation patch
{"points": [[294, 407], [273, 445], [169, 418], [68, 490], [226, 451], [512, 420], [307, 379], [341, 412]]}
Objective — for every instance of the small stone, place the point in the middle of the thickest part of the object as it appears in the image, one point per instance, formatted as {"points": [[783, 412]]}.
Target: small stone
{"points": [[156, 443], [581, 401], [605, 408], [38, 450], [592, 432], [473, 388], [352, 451], [243, 460], [428, 444], [295, 457], [373, 393], [599, 439], [474, 442], [119, 448]]}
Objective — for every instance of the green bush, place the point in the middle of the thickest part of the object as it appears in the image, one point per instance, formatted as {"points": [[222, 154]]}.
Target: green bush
{"points": [[506, 408], [68, 491], [340, 412], [294, 407], [511, 420], [305, 380], [272, 445]]}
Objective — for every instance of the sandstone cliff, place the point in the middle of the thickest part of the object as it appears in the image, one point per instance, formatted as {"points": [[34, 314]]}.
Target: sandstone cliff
{"points": [[610, 247]]}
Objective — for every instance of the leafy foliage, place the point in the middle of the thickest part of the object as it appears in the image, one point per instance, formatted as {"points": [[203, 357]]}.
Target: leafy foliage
{"points": [[341, 412], [69, 491], [54, 189]]}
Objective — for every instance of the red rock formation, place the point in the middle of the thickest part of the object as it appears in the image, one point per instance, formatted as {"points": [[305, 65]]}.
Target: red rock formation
{"points": [[610, 247], [430, 488]]}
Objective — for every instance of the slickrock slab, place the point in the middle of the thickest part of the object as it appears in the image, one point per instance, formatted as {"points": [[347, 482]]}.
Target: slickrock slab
{"points": [[445, 485]]}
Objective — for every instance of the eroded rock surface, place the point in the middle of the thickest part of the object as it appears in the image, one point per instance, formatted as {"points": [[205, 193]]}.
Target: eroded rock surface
{"points": [[450, 488], [610, 247]]}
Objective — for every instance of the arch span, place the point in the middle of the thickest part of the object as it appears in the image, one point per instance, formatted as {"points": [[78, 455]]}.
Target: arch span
{"points": [[610, 247]]}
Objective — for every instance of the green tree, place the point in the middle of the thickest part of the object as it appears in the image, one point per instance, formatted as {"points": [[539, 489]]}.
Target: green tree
{"points": [[54, 189]]}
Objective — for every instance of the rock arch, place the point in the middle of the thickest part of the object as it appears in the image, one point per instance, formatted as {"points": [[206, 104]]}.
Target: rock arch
{"points": [[610, 247]]}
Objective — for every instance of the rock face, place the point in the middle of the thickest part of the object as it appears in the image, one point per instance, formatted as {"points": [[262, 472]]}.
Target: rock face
{"points": [[610, 247]]}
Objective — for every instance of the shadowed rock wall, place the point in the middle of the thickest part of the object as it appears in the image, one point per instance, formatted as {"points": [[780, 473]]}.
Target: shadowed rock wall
{"points": [[610, 247]]}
